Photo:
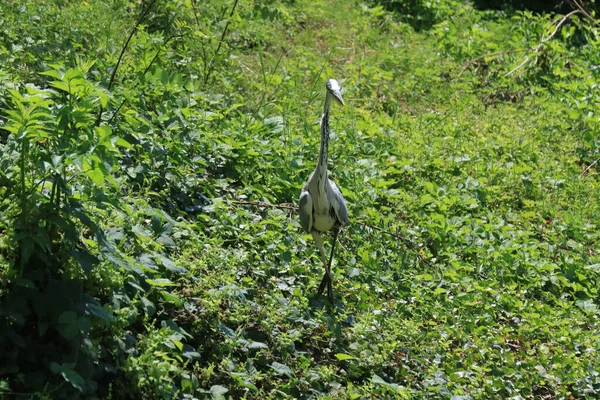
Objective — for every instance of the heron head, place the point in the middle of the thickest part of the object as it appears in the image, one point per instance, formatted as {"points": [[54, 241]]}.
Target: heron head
{"points": [[333, 88]]}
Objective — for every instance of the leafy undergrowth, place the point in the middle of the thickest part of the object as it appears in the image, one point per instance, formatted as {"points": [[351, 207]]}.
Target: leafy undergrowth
{"points": [[141, 252]]}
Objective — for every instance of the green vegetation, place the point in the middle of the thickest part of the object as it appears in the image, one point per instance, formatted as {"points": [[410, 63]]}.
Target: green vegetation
{"points": [[145, 145]]}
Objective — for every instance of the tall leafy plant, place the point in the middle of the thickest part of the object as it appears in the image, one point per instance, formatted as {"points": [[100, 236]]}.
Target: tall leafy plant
{"points": [[58, 161]]}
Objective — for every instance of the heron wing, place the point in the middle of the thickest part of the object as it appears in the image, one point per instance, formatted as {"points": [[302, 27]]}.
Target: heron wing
{"points": [[305, 210], [338, 203]]}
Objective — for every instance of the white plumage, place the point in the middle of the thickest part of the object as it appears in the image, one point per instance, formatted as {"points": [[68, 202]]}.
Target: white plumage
{"points": [[322, 207]]}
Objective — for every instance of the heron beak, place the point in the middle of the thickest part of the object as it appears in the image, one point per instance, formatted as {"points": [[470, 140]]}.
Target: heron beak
{"points": [[338, 96]]}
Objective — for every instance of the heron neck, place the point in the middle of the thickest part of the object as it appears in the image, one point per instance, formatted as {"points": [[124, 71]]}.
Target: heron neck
{"points": [[323, 152]]}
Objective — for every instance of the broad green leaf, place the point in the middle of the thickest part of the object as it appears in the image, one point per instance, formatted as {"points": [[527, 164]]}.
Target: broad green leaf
{"points": [[168, 297], [227, 331], [425, 277], [217, 391], [99, 312], [67, 317], [190, 353], [60, 85], [148, 262], [52, 73], [282, 369], [148, 306], [86, 260], [160, 282], [439, 290], [123, 143], [171, 266], [257, 345], [74, 379], [594, 267]]}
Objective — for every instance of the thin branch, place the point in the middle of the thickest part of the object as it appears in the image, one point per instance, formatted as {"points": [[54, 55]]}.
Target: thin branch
{"points": [[395, 235], [404, 240], [525, 61], [133, 31], [210, 67], [492, 55], [114, 71], [579, 5], [544, 40], [588, 168], [289, 206], [195, 12], [144, 73], [267, 82], [283, 206]]}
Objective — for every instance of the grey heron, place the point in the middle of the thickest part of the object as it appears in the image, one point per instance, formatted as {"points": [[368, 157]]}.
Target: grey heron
{"points": [[322, 207]]}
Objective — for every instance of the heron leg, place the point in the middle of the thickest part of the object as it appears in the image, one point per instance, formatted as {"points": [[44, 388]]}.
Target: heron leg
{"points": [[327, 277]]}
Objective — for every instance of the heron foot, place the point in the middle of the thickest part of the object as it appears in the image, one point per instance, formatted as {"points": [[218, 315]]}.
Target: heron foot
{"points": [[326, 278], [326, 281]]}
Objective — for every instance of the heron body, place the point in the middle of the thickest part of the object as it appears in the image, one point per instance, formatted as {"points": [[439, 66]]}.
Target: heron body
{"points": [[322, 207]]}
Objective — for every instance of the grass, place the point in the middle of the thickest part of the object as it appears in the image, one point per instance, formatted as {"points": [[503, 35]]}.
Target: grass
{"points": [[157, 262]]}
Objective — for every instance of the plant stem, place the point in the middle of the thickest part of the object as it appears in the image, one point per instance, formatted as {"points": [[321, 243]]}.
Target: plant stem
{"points": [[211, 65], [23, 216], [114, 71], [544, 40], [144, 73]]}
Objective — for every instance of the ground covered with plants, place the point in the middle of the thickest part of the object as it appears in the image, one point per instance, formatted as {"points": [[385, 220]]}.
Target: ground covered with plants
{"points": [[152, 153]]}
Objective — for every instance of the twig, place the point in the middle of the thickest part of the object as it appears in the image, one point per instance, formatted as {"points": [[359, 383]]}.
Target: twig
{"points": [[404, 240], [588, 167], [114, 71], [288, 206], [544, 40], [395, 235], [144, 73], [267, 82], [492, 55], [195, 12], [210, 67], [536, 49], [133, 31], [283, 206], [339, 241], [525, 61], [579, 6]]}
